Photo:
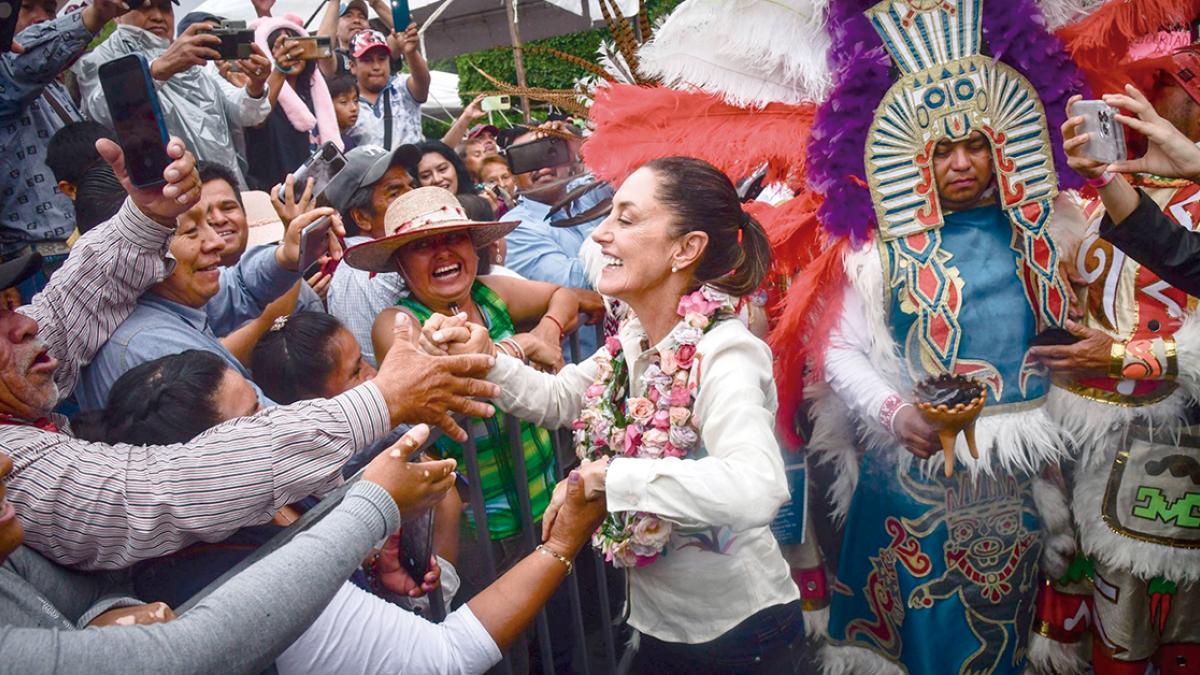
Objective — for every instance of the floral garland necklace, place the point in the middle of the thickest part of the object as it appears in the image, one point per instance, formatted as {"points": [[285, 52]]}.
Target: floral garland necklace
{"points": [[660, 424]]}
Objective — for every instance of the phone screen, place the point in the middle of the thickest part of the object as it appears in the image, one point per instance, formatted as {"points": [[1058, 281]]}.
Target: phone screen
{"points": [[137, 118], [401, 17], [314, 242], [9, 9], [416, 545], [539, 154]]}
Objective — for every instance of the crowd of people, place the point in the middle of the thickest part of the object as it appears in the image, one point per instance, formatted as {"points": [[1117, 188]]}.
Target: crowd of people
{"points": [[181, 381]]}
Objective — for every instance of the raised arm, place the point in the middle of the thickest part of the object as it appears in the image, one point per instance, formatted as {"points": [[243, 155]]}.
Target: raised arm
{"points": [[458, 131], [112, 265], [328, 28], [131, 503], [49, 47]]}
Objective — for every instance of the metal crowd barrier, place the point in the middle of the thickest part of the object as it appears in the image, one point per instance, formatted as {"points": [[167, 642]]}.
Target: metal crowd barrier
{"points": [[562, 445]]}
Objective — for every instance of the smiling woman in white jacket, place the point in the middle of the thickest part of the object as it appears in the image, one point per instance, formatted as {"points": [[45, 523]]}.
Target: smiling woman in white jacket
{"points": [[674, 419]]}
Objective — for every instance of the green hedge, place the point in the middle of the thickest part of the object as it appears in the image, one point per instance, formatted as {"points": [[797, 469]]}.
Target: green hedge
{"points": [[541, 70]]}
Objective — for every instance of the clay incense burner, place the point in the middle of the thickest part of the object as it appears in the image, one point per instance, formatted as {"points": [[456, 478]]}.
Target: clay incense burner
{"points": [[951, 403]]}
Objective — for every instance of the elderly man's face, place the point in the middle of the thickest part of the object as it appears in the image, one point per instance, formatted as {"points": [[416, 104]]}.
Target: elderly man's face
{"points": [[33, 12], [224, 213], [963, 171], [27, 387], [156, 16], [197, 249]]}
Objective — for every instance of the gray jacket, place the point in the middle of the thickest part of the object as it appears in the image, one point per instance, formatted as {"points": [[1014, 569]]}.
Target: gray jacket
{"points": [[200, 107], [239, 628]]}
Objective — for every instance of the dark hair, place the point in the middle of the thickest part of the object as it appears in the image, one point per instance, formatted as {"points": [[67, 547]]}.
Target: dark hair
{"points": [[98, 197], [209, 171], [340, 84], [72, 149], [362, 199], [168, 400], [292, 362], [478, 208], [466, 186], [702, 199]]}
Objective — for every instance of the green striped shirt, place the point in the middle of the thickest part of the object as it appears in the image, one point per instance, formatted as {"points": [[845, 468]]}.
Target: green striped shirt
{"points": [[491, 438]]}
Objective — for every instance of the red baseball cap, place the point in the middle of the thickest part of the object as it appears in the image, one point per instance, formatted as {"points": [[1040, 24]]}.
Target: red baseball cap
{"points": [[366, 40]]}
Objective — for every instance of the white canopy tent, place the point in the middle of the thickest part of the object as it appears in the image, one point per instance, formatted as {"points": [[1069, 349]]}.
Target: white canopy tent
{"points": [[448, 28], [458, 26]]}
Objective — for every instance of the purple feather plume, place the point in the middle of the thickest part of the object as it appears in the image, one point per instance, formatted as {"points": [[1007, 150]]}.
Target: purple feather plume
{"points": [[1014, 32]]}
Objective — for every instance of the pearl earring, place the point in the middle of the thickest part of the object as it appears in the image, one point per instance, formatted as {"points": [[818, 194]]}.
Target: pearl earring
{"points": [[674, 269]]}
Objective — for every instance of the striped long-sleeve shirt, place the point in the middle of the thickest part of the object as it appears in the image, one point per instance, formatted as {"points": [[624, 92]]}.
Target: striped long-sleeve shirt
{"points": [[96, 506]]}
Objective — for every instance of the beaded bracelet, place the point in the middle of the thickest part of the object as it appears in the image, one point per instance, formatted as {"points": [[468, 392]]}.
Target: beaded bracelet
{"points": [[557, 556]]}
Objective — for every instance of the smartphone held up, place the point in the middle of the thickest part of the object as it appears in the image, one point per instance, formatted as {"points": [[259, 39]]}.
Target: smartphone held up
{"points": [[1106, 136], [137, 118]]}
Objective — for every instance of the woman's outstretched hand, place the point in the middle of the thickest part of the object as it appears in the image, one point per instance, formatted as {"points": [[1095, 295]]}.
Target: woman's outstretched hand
{"points": [[571, 518], [454, 335]]}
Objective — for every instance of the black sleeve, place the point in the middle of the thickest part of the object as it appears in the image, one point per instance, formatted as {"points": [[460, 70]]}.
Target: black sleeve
{"points": [[1148, 236]]}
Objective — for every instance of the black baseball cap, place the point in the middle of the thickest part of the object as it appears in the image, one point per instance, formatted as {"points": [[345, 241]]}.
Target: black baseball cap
{"points": [[195, 17], [365, 165], [19, 268]]}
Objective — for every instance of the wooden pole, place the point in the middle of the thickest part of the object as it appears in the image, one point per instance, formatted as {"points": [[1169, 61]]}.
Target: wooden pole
{"points": [[510, 6]]}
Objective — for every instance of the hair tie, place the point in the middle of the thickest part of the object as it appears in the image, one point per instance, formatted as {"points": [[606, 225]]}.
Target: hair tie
{"points": [[279, 323], [742, 226]]}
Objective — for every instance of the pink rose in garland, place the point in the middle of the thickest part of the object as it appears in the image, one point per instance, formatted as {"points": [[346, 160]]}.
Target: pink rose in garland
{"points": [[655, 425], [684, 355], [641, 409]]}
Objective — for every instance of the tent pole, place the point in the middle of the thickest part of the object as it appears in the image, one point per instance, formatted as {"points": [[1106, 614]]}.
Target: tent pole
{"points": [[510, 6]]}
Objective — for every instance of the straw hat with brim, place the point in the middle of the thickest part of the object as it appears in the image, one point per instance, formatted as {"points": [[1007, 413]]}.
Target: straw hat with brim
{"points": [[263, 221], [424, 212]]}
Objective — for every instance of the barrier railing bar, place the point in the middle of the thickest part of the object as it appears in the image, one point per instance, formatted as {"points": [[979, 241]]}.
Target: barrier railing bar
{"points": [[482, 535], [521, 477]]}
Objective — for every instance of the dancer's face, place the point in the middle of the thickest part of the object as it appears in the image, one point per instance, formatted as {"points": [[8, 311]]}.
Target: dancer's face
{"points": [[963, 171]]}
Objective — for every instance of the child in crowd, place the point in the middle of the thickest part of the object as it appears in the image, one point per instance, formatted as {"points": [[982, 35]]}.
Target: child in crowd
{"points": [[343, 88]]}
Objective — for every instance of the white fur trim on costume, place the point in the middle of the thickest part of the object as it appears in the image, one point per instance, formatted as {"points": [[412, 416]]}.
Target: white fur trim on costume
{"points": [[816, 623], [1050, 657], [1058, 533], [833, 441], [749, 52], [1094, 425], [848, 660], [1140, 558]]}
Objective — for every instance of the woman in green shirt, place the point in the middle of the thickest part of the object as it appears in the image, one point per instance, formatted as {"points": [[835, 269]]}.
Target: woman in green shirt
{"points": [[433, 244]]}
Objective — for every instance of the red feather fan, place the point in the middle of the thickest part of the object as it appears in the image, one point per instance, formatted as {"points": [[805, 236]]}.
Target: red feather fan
{"points": [[1099, 43], [636, 124]]}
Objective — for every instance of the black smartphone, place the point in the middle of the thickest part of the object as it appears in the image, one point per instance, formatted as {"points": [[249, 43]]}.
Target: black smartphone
{"points": [[9, 11], [540, 154], [322, 166], [137, 118], [401, 16], [416, 545], [235, 40], [314, 241]]}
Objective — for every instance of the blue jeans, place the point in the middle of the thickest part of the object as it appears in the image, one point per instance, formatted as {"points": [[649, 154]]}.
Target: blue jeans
{"points": [[767, 642]]}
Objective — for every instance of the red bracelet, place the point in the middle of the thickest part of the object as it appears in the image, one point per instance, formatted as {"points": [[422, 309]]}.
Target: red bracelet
{"points": [[561, 332]]}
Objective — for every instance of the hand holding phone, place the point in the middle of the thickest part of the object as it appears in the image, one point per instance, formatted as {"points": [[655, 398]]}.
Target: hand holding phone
{"points": [[311, 48], [1106, 136], [495, 103], [401, 16], [314, 241]]}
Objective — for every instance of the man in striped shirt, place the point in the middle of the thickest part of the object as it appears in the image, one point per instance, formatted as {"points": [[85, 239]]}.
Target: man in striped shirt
{"points": [[97, 506]]}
